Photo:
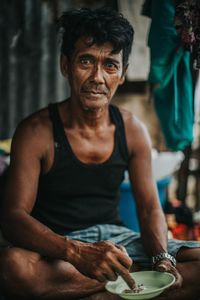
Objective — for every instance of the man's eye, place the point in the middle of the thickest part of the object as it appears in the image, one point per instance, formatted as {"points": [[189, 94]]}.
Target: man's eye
{"points": [[85, 61], [110, 65]]}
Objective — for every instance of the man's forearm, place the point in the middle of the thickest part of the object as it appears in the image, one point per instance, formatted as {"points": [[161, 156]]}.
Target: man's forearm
{"points": [[22, 230], [154, 232]]}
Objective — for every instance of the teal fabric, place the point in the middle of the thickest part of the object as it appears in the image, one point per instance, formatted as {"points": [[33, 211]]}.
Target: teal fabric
{"points": [[170, 73]]}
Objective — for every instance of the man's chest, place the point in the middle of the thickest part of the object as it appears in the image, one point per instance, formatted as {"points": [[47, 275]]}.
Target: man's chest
{"points": [[92, 147]]}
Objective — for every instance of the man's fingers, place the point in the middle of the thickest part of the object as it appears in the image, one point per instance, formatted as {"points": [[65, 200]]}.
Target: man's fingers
{"points": [[128, 279], [122, 248], [126, 262], [124, 258], [109, 274], [123, 265], [101, 278], [119, 269], [163, 267], [179, 279]]}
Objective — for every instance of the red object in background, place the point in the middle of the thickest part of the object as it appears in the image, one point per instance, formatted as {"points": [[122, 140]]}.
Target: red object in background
{"points": [[182, 232], [196, 232]]}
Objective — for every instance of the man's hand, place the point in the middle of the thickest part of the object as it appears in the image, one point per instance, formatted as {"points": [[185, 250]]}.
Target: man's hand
{"points": [[166, 266], [102, 260]]}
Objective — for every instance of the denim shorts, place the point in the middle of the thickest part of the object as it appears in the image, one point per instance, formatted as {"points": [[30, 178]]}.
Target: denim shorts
{"points": [[129, 239]]}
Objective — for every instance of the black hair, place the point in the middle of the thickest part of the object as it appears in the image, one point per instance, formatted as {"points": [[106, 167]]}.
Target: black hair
{"points": [[102, 25]]}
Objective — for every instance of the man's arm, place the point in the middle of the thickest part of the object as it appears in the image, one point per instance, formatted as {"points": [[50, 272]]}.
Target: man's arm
{"points": [[28, 151], [151, 217]]}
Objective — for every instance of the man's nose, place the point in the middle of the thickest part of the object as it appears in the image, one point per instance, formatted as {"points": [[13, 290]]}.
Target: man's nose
{"points": [[98, 74]]}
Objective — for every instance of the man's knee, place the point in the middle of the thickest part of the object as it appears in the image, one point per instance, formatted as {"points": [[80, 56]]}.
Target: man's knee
{"points": [[9, 262], [15, 273]]}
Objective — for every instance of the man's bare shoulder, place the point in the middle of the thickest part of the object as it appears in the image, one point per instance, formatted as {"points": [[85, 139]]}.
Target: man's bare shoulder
{"points": [[37, 121], [131, 121], [36, 125], [137, 135], [33, 134]]}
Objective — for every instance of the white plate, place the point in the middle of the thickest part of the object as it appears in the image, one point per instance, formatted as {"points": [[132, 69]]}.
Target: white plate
{"points": [[154, 283]]}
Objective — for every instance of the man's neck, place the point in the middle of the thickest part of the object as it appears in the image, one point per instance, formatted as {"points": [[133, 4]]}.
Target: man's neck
{"points": [[84, 117]]}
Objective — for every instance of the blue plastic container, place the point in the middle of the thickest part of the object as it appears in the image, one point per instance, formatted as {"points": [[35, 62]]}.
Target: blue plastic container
{"points": [[127, 202]]}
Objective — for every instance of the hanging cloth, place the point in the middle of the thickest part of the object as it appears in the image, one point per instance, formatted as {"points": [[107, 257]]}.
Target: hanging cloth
{"points": [[170, 74]]}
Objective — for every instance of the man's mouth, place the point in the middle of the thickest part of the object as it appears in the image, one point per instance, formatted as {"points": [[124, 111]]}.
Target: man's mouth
{"points": [[94, 92]]}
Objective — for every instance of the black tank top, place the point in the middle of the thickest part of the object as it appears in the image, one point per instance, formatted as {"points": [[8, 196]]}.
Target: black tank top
{"points": [[74, 195]]}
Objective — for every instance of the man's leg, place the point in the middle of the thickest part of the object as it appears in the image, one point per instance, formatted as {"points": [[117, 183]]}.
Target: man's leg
{"points": [[26, 275]]}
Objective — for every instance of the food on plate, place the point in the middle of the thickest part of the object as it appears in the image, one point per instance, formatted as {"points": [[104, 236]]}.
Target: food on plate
{"points": [[136, 289]]}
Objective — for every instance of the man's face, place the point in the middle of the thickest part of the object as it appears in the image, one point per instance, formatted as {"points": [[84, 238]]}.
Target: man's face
{"points": [[94, 73]]}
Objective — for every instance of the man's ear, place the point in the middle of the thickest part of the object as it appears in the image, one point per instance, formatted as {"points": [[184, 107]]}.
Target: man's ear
{"points": [[122, 79], [123, 75], [64, 65]]}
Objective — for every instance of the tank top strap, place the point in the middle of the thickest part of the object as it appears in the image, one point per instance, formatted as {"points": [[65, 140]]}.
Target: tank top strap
{"points": [[58, 130], [118, 121]]}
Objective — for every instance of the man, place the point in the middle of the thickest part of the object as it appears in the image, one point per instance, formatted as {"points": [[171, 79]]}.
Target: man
{"points": [[67, 163]]}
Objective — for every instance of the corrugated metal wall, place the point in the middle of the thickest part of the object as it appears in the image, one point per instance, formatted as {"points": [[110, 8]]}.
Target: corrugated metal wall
{"points": [[29, 58], [29, 73]]}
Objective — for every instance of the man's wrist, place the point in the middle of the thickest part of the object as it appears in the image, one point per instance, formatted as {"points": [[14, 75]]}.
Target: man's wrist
{"points": [[161, 256]]}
